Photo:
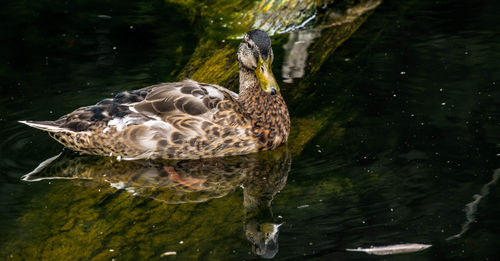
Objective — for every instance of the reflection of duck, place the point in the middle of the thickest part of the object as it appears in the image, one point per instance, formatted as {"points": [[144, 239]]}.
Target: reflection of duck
{"points": [[185, 119], [260, 175], [260, 227]]}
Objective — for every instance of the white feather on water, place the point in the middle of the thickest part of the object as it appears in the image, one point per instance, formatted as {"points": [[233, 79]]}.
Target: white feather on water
{"points": [[392, 249], [168, 253]]}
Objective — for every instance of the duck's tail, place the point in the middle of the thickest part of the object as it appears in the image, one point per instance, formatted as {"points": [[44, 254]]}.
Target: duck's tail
{"points": [[49, 126]]}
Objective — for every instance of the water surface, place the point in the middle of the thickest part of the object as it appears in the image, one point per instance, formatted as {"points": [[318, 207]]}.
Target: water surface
{"points": [[395, 134]]}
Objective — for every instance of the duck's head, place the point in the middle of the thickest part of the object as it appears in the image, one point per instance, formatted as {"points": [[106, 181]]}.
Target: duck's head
{"points": [[264, 238], [256, 55]]}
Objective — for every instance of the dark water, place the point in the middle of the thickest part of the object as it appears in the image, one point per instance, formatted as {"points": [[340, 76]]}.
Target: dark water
{"points": [[394, 137]]}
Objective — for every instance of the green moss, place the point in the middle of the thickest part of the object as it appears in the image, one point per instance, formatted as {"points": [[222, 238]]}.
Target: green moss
{"points": [[213, 63]]}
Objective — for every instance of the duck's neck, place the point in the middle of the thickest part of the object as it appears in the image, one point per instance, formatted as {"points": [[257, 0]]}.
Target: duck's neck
{"points": [[269, 113]]}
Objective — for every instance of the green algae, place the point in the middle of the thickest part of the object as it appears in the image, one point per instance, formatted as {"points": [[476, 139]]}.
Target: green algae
{"points": [[150, 215], [214, 63], [95, 221]]}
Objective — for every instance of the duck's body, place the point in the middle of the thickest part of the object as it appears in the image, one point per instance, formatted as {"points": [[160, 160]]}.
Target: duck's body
{"points": [[181, 120]]}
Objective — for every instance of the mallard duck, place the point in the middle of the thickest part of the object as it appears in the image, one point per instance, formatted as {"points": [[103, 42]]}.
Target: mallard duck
{"points": [[184, 120]]}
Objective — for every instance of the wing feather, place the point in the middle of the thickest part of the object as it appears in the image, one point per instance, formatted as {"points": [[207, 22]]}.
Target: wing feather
{"points": [[187, 97], [174, 120]]}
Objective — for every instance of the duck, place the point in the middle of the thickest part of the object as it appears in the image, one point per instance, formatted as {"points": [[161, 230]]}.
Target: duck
{"points": [[187, 119]]}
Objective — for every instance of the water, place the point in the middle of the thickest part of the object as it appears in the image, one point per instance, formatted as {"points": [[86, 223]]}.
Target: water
{"points": [[394, 139]]}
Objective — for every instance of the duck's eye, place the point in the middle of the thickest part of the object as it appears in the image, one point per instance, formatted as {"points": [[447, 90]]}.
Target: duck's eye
{"points": [[262, 68], [249, 45]]}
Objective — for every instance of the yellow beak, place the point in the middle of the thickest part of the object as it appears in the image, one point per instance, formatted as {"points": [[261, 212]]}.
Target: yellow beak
{"points": [[266, 77]]}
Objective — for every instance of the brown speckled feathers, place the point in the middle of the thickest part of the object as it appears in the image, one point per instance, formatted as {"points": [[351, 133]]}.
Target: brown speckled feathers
{"points": [[182, 120]]}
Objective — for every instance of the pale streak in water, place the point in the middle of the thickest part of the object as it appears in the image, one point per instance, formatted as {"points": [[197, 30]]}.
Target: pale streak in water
{"points": [[296, 27], [41, 166], [276, 30], [392, 249], [471, 208]]}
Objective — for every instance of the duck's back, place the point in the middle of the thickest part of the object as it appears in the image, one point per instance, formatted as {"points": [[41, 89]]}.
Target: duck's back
{"points": [[172, 120]]}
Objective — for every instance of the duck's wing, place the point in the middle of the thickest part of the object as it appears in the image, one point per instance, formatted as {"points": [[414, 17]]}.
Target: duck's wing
{"points": [[188, 98], [86, 118], [188, 120], [172, 120], [161, 101]]}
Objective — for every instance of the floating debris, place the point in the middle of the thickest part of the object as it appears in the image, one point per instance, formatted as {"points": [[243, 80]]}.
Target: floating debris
{"points": [[168, 253], [303, 206], [392, 249], [104, 16]]}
